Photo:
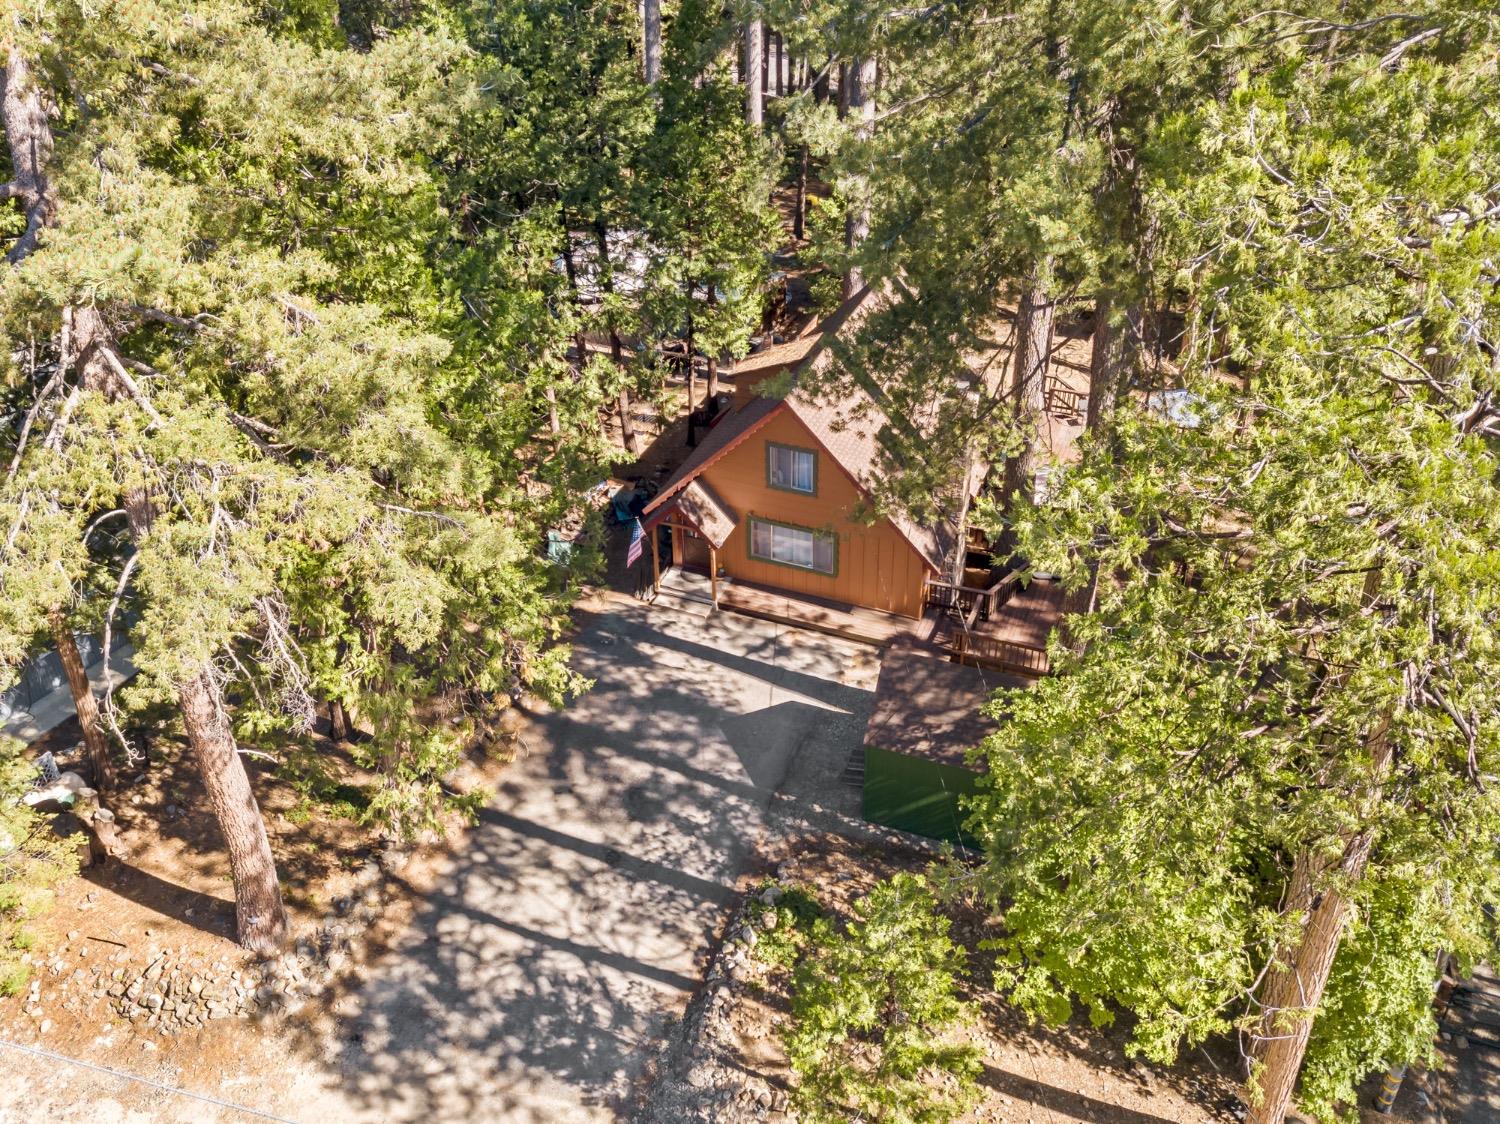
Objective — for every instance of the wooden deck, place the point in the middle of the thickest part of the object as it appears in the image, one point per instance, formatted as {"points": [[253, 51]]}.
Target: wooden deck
{"points": [[1011, 637], [852, 622]]}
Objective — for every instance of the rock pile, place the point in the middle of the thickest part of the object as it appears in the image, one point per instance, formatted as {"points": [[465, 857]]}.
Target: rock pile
{"points": [[177, 989], [699, 1078]]}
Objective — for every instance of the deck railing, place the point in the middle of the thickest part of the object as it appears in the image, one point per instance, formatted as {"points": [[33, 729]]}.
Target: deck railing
{"points": [[970, 605], [1003, 655], [973, 603]]}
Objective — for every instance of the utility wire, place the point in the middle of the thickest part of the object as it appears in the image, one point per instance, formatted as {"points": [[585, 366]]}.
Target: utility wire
{"points": [[37, 1051]]}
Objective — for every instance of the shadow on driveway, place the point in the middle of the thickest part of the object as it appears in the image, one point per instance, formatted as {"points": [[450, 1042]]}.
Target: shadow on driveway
{"points": [[538, 979]]}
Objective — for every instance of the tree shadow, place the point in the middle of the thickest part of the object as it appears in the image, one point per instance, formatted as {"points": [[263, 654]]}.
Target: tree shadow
{"points": [[1050, 1097], [191, 907]]}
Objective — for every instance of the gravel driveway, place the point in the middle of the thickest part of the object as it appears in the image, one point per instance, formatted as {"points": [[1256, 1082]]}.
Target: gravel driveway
{"points": [[538, 980]]}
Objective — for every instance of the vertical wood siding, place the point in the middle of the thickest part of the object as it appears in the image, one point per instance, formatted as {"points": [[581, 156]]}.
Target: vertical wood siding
{"points": [[877, 567]]}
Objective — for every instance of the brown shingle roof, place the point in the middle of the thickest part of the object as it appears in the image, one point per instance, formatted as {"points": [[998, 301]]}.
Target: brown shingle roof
{"points": [[733, 428], [787, 354], [926, 707], [711, 515]]}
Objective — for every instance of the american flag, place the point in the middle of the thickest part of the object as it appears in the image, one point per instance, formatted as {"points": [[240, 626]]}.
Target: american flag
{"points": [[637, 543]]}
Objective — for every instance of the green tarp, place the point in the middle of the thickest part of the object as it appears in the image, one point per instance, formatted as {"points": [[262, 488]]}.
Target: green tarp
{"points": [[916, 795]]}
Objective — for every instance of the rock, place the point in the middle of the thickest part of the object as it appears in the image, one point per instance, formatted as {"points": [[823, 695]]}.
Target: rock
{"points": [[45, 1026], [769, 920], [772, 895], [700, 1077], [749, 936], [1461, 1041]]}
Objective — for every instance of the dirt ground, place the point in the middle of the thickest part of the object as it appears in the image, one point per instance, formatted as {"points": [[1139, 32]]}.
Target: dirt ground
{"points": [[1032, 1073], [169, 891]]}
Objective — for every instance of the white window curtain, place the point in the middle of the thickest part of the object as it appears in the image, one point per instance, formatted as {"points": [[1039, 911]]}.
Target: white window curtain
{"points": [[810, 550], [792, 468]]}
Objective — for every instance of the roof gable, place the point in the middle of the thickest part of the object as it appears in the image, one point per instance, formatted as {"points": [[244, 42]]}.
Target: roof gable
{"points": [[849, 431]]}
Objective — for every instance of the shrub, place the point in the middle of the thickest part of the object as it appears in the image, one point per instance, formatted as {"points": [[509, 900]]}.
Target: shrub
{"points": [[797, 911], [32, 861], [875, 1015]]}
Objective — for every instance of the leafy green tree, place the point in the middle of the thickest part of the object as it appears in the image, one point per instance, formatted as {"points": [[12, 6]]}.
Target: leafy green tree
{"points": [[224, 313], [875, 1016], [704, 199], [32, 860], [1252, 796]]}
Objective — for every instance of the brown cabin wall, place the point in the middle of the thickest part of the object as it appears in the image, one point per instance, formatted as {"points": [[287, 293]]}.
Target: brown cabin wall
{"points": [[877, 567]]}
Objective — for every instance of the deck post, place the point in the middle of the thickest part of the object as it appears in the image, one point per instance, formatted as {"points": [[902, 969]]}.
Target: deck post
{"points": [[655, 563], [713, 573]]}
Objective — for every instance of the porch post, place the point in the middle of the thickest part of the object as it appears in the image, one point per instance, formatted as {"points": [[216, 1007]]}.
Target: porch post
{"points": [[655, 563], [713, 573]]}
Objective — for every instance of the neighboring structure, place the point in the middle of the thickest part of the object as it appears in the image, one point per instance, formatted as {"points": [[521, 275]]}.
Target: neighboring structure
{"points": [[771, 494], [927, 717]]}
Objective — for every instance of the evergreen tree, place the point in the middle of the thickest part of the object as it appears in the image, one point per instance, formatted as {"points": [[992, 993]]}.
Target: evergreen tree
{"points": [[223, 313], [1253, 797], [875, 1014]]}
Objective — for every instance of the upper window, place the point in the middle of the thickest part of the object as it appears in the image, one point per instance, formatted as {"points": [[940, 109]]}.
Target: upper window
{"points": [[793, 546], [792, 469]]}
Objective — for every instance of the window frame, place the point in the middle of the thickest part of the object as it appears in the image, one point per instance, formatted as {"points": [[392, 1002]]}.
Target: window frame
{"points": [[750, 551], [771, 447]]}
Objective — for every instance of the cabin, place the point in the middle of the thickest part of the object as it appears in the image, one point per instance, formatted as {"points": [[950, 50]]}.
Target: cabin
{"points": [[773, 512], [772, 495]]}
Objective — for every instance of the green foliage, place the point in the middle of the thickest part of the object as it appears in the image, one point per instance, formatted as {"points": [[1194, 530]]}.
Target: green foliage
{"points": [[875, 1020], [317, 785], [797, 914], [260, 219], [1318, 552], [32, 861]]}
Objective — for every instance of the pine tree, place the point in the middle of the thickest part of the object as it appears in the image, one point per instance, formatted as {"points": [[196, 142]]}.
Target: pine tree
{"points": [[255, 380], [1249, 800]]}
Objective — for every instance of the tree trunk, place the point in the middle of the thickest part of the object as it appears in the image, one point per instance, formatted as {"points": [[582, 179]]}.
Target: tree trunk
{"points": [[94, 738], [857, 221], [28, 136], [843, 108], [799, 217], [780, 66], [554, 423], [1116, 351], [580, 342], [1115, 355], [1033, 350], [1294, 983], [262, 920], [711, 299], [260, 917], [692, 369], [653, 41], [616, 348], [765, 61], [755, 102], [338, 722]]}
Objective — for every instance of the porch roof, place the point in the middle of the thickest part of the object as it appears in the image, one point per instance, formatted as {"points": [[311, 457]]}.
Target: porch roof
{"points": [[701, 506]]}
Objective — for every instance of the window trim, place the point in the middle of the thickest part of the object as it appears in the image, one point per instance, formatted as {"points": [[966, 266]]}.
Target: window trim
{"points": [[773, 445], [750, 522]]}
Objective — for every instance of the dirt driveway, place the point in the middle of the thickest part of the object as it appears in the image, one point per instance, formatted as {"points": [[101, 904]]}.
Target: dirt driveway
{"points": [[542, 974]]}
